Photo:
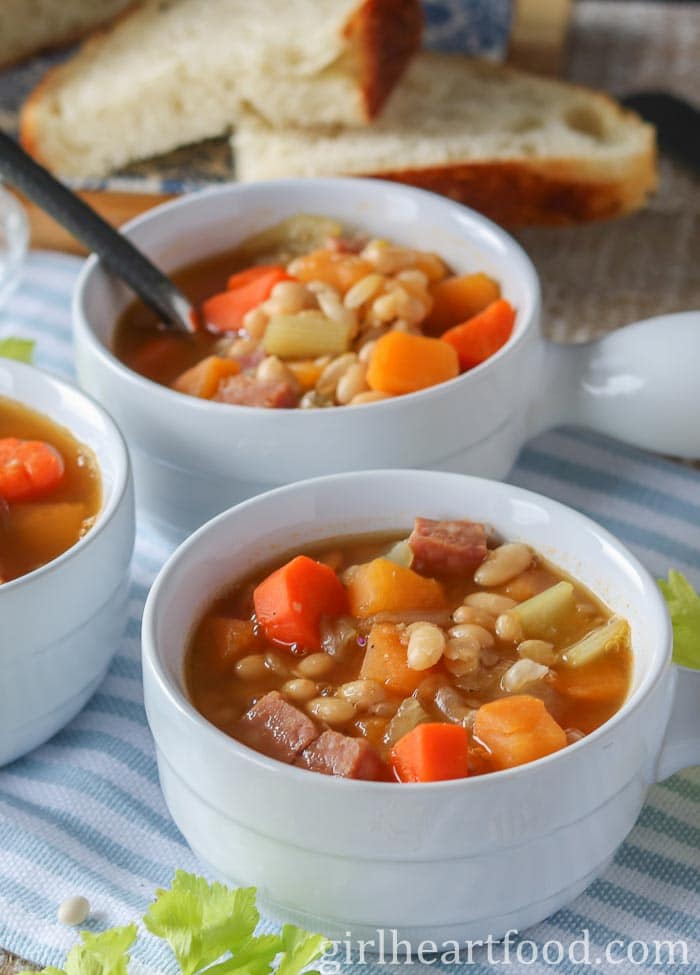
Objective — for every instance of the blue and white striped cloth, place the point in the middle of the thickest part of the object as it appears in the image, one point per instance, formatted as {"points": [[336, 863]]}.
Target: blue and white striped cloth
{"points": [[84, 813]]}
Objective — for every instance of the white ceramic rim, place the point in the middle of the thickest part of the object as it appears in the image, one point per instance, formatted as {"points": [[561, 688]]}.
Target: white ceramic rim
{"points": [[189, 713], [530, 314], [116, 447]]}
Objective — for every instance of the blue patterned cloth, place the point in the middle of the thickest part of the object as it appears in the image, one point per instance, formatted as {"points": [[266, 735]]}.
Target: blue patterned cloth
{"points": [[84, 813], [468, 26]]}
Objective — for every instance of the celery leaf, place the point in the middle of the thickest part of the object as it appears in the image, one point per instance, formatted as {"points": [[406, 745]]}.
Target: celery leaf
{"points": [[684, 607]]}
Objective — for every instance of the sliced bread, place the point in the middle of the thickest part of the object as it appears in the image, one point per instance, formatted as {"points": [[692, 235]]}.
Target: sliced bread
{"points": [[28, 26], [520, 148], [173, 72]]}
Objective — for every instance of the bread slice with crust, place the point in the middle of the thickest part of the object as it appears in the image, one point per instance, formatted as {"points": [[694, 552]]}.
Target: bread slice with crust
{"points": [[174, 72], [29, 26], [520, 148]]}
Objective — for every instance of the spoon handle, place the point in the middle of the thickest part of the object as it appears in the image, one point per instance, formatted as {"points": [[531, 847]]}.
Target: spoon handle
{"points": [[115, 250]]}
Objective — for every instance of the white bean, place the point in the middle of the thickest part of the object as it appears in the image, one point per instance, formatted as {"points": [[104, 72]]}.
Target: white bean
{"points": [[467, 650], [503, 564], [426, 645], [299, 689], [521, 674], [252, 667], [540, 651], [73, 911], [509, 628], [315, 665], [363, 290], [255, 322], [362, 693], [473, 632], [467, 614], [332, 373], [490, 602], [289, 297], [372, 396], [332, 710], [351, 383]]}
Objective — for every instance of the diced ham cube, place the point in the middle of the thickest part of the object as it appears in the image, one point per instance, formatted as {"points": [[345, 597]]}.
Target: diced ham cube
{"points": [[336, 754], [447, 547], [276, 728], [245, 390]]}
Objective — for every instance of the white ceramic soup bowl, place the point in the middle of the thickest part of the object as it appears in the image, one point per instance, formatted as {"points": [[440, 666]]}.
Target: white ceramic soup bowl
{"points": [[60, 625], [441, 861], [193, 458]]}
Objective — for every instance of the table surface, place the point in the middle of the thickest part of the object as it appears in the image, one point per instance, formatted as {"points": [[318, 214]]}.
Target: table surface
{"points": [[602, 276]]}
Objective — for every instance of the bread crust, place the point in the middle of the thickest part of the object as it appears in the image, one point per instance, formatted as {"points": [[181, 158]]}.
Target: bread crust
{"points": [[555, 193], [387, 34]]}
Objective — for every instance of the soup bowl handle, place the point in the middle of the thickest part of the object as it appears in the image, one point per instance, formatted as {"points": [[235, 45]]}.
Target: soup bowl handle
{"points": [[681, 744], [639, 384]]}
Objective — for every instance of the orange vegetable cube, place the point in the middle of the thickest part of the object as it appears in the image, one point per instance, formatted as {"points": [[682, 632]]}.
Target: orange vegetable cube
{"points": [[290, 602], [203, 379], [483, 335], [459, 298], [403, 363], [382, 586], [307, 372], [28, 469], [432, 753], [516, 730], [385, 661]]}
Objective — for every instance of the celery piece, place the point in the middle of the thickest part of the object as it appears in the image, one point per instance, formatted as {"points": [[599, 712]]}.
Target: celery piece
{"points": [[541, 615], [291, 237], [596, 643], [304, 335], [401, 553], [409, 715]]}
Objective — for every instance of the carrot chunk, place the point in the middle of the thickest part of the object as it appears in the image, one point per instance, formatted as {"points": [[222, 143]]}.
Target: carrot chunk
{"points": [[385, 661], [459, 298], [225, 640], [203, 379], [290, 602], [403, 363], [224, 312], [432, 753], [28, 469], [516, 730], [483, 335], [382, 586]]}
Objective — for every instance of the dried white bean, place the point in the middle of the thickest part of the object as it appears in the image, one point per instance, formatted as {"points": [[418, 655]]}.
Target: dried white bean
{"points": [[472, 632], [490, 602], [272, 369], [289, 297], [509, 628], [351, 383], [363, 290], [329, 378], [362, 693], [252, 667], [521, 674], [372, 396], [332, 710], [503, 564], [275, 664], [73, 911], [540, 651], [365, 353], [299, 689], [315, 665], [467, 614], [467, 650], [426, 645], [255, 322]]}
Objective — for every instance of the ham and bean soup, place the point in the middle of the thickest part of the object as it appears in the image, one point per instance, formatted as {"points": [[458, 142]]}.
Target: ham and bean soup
{"points": [[50, 491], [442, 655], [307, 315]]}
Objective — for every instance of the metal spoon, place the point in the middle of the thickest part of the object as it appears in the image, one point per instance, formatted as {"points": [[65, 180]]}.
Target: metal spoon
{"points": [[115, 250]]}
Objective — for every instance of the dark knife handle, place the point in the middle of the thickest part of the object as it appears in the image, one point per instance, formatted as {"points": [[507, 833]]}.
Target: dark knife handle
{"points": [[115, 250], [677, 123]]}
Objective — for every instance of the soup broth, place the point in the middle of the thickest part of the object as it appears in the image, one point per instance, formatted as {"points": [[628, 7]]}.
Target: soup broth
{"points": [[50, 490]]}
